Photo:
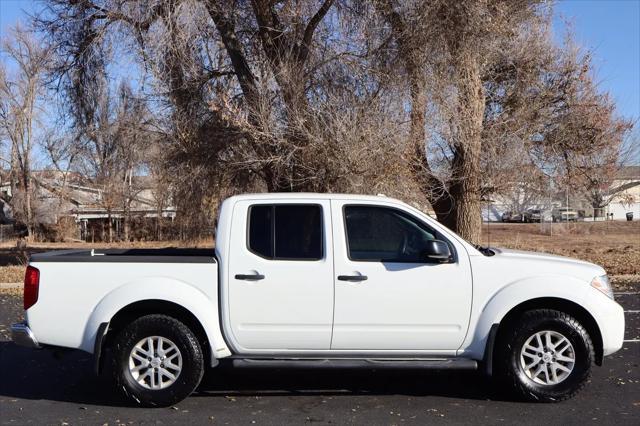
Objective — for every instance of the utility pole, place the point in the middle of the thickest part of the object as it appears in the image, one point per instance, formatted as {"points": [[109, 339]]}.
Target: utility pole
{"points": [[567, 205], [551, 206]]}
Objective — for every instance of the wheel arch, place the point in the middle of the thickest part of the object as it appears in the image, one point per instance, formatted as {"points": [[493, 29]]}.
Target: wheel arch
{"points": [[156, 295], [563, 305], [140, 308]]}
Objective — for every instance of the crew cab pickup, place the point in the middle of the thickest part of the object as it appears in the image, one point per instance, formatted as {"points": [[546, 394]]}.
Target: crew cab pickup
{"points": [[323, 280]]}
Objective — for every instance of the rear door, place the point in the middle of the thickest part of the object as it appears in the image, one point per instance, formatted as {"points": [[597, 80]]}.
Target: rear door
{"points": [[387, 297], [281, 275]]}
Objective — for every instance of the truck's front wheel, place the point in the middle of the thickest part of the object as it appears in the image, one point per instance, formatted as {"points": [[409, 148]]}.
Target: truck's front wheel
{"points": [[157, 361], [545, 356]]}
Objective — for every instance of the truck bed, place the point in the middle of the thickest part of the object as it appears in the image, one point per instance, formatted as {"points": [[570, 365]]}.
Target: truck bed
{"points": [[142, 255]]}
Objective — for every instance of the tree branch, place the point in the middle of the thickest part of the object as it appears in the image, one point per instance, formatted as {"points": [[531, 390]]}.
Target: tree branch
{"points": [[226, 29], [311, 28]]}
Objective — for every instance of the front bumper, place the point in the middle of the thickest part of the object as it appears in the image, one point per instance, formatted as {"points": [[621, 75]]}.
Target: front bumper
{"points": [[610, 318], [22, 335]]}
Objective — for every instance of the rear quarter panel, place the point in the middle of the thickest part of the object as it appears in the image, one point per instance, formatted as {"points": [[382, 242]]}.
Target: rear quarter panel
{"points": [[74, 298]]}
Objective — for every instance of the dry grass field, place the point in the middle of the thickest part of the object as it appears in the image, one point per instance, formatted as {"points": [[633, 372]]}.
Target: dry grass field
{"points": [[614, 245]]}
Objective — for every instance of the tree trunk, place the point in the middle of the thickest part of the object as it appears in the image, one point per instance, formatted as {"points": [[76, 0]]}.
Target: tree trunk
{"points": [[451, 206], [126, 220], [158, 224], [466, 164], [598, 209], [460, 208], [26, 188], [597, 203], [13, 176], [28, 209], [127, 226], [110, 226], [417, 125]]}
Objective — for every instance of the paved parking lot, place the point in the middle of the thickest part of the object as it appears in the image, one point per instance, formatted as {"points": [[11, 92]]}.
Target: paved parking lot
{"points": [[40, 387]]}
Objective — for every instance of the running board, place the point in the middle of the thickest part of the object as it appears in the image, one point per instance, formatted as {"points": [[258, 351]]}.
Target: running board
{"points": [[431, 364]]}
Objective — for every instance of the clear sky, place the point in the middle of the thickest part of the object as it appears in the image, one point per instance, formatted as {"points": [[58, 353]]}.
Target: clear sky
{"points": [[611, 28], [12, 10]]}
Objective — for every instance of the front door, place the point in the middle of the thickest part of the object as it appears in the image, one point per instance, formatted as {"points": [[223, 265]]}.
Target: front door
{"points": [[281, 275], [387, 297]]}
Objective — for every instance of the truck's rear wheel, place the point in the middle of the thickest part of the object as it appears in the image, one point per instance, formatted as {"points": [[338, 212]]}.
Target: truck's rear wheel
{"points": [[545, 356], [157, 361]]}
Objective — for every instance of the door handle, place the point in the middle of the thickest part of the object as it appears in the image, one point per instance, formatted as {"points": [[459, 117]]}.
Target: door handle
{"points": [[249, 277], [354, 278]]}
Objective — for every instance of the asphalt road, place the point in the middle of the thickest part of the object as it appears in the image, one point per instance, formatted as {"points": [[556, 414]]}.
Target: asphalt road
{"points": [[40, 387]]}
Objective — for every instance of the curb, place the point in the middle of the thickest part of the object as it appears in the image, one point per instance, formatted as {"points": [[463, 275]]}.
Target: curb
{"points": [[10, 286]]}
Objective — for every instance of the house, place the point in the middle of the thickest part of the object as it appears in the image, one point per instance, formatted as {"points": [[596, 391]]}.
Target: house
{"points": [[521, 198], [68, 198], [623, 193], [626, 194]]}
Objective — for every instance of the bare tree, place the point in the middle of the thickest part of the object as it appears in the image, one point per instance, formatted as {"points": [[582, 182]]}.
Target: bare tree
{"points": [[222, 40], [445, 49], [593, 173], [244, 84], [111, 143], [582, 136], [456, 98], [22, 90]]}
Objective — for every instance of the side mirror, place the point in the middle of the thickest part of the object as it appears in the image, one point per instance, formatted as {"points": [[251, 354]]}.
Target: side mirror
{"points": [[437, 251]]}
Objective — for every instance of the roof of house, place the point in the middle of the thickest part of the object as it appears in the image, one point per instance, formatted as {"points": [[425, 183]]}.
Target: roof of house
{"points": [[629, 172]]}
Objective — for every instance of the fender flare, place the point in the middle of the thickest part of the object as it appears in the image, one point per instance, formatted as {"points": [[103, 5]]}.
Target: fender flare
{"points": [[203, 308], [479, 342]]}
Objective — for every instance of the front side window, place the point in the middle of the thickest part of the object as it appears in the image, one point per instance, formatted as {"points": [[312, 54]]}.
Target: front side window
{"points": [[286, 231], [385, 234]]}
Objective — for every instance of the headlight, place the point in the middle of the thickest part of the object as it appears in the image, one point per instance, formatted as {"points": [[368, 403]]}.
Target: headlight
{"points": [[602, 283]]}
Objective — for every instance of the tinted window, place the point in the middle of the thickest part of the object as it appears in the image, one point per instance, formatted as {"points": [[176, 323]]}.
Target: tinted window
{"points": [[260, 230], [385, 234], [286, 231], [298, 232]]}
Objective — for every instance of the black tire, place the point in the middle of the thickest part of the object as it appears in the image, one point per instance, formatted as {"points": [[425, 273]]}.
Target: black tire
{"points": [[510, 371], [167, 327]]}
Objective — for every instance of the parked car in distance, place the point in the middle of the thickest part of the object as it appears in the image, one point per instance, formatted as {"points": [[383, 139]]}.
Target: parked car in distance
{"points": [[534, 215], [513, 217], [564, 214], [322, 281]]}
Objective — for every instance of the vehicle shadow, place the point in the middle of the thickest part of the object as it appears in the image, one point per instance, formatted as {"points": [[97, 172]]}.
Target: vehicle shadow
{"points": [[49, 375], [264, 382], [69, 377]]}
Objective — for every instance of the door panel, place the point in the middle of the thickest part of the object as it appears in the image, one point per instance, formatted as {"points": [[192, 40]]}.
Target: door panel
{"points": [[402, 304], [291, 307]]}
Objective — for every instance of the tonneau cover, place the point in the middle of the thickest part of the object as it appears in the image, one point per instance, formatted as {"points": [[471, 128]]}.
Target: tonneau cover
{"points": [[144, 255]]}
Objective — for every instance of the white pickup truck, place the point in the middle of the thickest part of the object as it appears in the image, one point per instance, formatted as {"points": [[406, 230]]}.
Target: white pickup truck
{"points": [[323, 280]]}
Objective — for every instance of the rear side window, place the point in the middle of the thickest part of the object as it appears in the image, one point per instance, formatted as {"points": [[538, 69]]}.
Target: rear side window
{"points": [[260, 230], [286, 231]]}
